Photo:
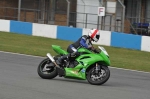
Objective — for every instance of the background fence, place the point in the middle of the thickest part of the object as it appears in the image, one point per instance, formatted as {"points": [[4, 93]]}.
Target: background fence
{"points": [[81, 14]]}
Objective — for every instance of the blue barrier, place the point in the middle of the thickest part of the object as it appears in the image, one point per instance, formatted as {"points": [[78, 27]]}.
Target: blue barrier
{"points": [[126, 40], [68, 33], [117, 39], [21, 27]]}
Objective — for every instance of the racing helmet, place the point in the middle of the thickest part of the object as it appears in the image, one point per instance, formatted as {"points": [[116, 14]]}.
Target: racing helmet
{"points": [[94, 34]]}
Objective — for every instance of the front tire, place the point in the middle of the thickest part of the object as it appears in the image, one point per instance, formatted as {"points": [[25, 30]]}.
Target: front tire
{"points": [[99, 79], [45, 70]]}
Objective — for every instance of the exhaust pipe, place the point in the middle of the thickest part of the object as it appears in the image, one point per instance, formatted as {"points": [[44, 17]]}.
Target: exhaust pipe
{"points": [[52, 59]]}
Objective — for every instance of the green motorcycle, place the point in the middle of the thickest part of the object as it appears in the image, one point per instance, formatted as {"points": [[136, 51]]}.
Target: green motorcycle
{"points": [[89, 66]]}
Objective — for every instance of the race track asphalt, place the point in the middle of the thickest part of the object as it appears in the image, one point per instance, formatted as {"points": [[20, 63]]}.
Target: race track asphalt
{"points": [[19, 80]]}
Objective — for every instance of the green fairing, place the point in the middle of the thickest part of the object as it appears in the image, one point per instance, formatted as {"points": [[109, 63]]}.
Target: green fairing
{"points": [[86, 60], [59, 50]]}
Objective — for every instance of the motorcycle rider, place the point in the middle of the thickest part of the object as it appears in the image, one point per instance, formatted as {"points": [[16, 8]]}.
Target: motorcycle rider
{"points": [[83, 41]]}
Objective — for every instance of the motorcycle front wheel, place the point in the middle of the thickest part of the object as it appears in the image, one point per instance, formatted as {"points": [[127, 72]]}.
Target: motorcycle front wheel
{"points": [[47, 69], [98, 78]]}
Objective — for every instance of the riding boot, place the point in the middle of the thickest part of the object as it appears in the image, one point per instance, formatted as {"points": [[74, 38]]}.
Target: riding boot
{"points": [[68, 56], [62, 58], [74, 54]]}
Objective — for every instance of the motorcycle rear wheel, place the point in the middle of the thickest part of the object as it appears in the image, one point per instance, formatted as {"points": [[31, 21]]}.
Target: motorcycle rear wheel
{"points": [[99, 79], [45, 71]]}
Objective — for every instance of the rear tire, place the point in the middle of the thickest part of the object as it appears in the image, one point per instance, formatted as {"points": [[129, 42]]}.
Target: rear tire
{"points": [[46, 72], [102, 78]]}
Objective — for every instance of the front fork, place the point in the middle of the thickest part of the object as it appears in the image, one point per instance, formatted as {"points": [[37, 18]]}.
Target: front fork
{"points": [[98, 68]]}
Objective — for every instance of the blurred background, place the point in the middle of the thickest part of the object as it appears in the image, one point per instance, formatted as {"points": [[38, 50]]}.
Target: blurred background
{"points": [[128, 16]]}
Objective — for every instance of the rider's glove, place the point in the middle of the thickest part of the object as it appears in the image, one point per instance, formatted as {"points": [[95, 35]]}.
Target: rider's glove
{"points": [[96, 50]]}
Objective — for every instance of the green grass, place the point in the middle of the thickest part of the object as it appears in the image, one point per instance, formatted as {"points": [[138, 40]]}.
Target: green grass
{"points": [[39, 46]]}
